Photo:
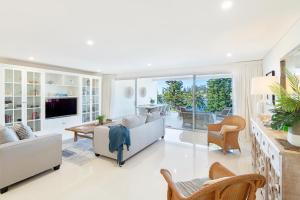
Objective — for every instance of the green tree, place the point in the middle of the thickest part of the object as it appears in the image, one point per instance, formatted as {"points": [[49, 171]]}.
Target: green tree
{"points": [[218, 94], [173, 94]]}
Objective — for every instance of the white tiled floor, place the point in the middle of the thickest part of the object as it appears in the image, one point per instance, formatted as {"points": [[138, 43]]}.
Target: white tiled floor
{"points": [[184, 153]]}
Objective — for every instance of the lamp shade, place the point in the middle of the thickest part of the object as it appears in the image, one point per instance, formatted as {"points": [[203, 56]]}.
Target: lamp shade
{"points": [[261, 85]]}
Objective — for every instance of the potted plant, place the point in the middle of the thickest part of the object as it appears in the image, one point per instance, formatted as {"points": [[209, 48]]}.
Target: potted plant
{"points": [[286, 113], [100, 119]]}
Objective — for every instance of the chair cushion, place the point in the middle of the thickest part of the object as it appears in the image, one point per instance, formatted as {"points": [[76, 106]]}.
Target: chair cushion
{"points": [[187, 188], [212, 181], [215, 134], [7, 135], [227, 128], [23, 131]]}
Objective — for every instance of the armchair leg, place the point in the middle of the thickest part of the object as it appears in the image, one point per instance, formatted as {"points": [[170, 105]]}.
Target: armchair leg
{"points": [[3, 190], [97, 154]]}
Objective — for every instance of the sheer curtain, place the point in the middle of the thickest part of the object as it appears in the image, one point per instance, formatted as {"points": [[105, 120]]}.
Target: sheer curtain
{"points": [[107, 89], [244, 103]]}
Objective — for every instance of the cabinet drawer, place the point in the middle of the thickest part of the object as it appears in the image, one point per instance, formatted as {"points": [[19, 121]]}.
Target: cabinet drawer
{"points": [[253, 129], [258, 136], [275, 159], [264, 145]]}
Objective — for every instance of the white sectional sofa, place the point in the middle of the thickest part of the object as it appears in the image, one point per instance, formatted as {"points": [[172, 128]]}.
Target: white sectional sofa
{"points": [[141, 136], [25, 158]]}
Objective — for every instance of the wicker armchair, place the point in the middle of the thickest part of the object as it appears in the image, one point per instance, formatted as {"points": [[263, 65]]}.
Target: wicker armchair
{"points": [[225, 186], [229, 139]]}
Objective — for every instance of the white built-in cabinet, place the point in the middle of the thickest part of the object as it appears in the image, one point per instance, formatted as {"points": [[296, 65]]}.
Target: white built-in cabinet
{"points": [[24, 91], [90, 99]]}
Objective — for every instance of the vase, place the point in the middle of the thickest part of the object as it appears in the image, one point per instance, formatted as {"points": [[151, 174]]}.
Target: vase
{"points": [[293, 136]]}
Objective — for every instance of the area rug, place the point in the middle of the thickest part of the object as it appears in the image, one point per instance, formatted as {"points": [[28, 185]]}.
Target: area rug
{"points": [[78, 153]]}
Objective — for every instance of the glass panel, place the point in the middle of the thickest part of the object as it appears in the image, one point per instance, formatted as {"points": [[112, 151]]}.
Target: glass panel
{"points": [[17, 103], [17, 90], [37, 102], [213, 99], [9, 77], [30, 78], [8, 89], [30, 114], [36, 113], [34, 101], [86, 87], [8, 116], [37, 125], [37, 78], [30, 102], [17, 116], [30, 90], [175, 95], [31, 125], [17, 76], [8, 103]]}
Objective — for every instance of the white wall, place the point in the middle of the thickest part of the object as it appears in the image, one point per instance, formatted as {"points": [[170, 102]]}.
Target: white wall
{"points": [[290, 41], [122, 104], [151, 90]]}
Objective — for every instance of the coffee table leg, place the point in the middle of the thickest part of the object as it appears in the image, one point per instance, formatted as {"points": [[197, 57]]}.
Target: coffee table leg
{"points": [[75, 137]]}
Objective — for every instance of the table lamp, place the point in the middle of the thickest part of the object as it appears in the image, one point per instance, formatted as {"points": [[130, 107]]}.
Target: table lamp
{"points": [[261, 86]]}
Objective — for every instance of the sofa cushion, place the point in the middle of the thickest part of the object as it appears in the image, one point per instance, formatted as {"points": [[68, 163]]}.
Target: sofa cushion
{"points": [[7, 135], [23, 132], [153, 116], [134, 121]]}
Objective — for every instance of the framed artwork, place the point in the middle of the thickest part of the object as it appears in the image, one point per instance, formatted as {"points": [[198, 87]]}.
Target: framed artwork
{"points": [[271, 98]]}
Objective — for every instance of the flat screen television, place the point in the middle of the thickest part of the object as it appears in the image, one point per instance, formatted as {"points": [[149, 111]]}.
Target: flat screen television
{"points": [[58, 107]]}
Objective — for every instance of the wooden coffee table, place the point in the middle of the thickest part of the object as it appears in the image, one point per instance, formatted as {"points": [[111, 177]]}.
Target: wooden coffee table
{"points": [[85, 130]]}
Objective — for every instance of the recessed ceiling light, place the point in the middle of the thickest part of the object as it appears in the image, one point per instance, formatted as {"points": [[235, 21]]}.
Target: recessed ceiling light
{"points": [[149, 64], [226, 5], [229, 55], [90, 42], [31, 58]]}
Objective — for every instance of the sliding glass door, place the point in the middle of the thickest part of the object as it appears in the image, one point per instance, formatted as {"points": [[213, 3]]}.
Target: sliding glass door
{"points": [[186, 102], [213, 99]]}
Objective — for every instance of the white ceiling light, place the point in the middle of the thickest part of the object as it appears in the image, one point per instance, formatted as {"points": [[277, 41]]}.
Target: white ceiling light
{"points": [[90, 42], [31, 58], [226, 5], [229, 55], [149, 64]]}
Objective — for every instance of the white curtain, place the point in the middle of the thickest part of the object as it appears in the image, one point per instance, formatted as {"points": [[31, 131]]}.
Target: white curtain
{"points": [[244, 102], [107, 87]]}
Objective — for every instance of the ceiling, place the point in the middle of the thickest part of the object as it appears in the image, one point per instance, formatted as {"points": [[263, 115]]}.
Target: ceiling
{"points": [[130, 35]]}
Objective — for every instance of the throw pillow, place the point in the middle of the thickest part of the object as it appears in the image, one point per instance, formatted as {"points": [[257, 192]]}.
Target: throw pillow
{"points": [[227, 128], [153, 116], [7, 135], [23, 132], [133, 121]]}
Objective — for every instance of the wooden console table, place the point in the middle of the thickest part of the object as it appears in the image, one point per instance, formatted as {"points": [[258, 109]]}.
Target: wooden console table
{"points": [[278, 163]]}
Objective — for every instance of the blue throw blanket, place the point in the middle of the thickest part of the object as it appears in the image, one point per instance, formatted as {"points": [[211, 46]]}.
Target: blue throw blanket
{"points": [[118, 136]]}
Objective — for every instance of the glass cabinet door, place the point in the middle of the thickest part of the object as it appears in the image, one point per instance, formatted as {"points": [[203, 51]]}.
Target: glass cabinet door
{"points": [[95, 98], [86, 109], [13, 96], [34, 100]]}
